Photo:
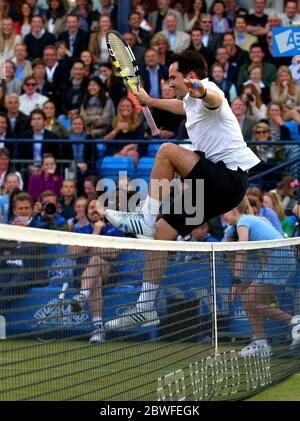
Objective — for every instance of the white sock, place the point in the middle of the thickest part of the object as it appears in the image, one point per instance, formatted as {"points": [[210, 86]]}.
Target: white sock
{"points": [[85, 292], [147, 296], [97, 322], [150, 210]]}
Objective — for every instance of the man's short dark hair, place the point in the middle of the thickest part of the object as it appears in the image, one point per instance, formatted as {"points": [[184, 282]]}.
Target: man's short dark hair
{"points": [[38, 111], [5, 152], [21, 197], [189, 61]]}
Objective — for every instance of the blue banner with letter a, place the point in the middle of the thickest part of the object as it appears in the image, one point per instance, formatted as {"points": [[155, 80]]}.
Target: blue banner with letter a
{"points": [[286, 41]]}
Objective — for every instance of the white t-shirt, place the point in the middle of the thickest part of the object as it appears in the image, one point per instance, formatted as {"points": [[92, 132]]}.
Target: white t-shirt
{"points": [[217, 133]]}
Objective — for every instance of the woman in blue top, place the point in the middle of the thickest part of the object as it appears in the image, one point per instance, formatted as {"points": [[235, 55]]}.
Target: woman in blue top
{"points": [[257, 273]]}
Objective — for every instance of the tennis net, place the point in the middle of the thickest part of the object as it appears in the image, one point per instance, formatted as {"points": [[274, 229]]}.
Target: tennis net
{"points": [[188, 348]]}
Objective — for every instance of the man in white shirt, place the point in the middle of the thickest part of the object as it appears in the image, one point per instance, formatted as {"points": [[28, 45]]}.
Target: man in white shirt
{"points": [[290, 14], [31, 99], [220, 159]]}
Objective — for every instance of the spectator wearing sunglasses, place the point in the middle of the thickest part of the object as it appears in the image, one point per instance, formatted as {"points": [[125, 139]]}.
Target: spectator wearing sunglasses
{"points": [[31, 99]]}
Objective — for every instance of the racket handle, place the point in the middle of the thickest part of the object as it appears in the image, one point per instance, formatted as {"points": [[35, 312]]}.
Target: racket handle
{"points": [[150, 121]]}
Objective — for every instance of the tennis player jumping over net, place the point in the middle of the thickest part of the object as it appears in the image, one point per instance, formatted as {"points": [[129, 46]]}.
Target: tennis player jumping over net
{"points": [[220, 158]]}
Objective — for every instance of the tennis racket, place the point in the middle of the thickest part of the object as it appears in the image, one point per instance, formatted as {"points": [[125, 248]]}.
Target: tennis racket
{"points": [[125, 63]]}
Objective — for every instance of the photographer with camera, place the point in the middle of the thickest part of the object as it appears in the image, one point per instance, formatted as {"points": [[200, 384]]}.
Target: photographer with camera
{"points": [[46, 213], [256, 109]]}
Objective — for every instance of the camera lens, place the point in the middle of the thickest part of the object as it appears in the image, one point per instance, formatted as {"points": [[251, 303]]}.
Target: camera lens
{"points": [[49, 208]]}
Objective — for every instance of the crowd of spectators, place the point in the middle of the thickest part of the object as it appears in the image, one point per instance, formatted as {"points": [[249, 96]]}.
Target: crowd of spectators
{"points": [[61, 85]]}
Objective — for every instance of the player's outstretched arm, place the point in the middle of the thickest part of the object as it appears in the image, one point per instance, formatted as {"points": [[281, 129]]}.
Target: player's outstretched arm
{"points": [[175, 106], [210, 98]]}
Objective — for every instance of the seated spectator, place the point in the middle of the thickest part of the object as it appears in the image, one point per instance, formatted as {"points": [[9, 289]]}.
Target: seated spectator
{"points": [[6, 167], [77, 40], [23, 66], [13, 85], [225, 85], [256, 109], [237, 55], [271, 200], [242, 38], [138, 50], [114, 84], [256, 55], [197, 45], [39, 73], [256, 279], [18, 275], [295, 69], [31, 99], [51, 123], [90, 187], [18, 122], [7, 10], [87, 16], [285, 89], [84, 155], [36, 9], [167, 122], [290, 15], [97, 108], [2, 96], [210, 39], [239, 108], [255, 196], [143, 37], [287, 194], [127, 125], [153, 73], [179, 40], [38, 38], [97, 270], [158, 17], [56, 16], [191, 17], [97, 44], [201, 234], [46, 214], [57, 72], [255, 73], [267, 154], [220, 22], [161, 44], [230, 69], [12, 186], [72, 92], [275, 116], [67, 199], [5, 134], [35, 150], [63, 55], [8, 39], [25, 19], [47, 179], [88, 60], [80, 223], [257, 21], [145, 24]]}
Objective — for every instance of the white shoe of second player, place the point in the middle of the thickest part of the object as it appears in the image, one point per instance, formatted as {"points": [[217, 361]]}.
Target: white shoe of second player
{"points": [[97, 337], [133, 317], [256, 348], [131, 222], [295, 332]]}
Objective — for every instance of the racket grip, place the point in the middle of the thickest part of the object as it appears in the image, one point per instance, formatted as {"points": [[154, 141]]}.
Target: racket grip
{"points": [[150, 121]]}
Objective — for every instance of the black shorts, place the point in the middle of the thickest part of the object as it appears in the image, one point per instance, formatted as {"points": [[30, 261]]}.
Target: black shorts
{"points": [[224, 189]]}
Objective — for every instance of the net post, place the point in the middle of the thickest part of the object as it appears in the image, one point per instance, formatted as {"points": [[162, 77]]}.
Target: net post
{"points": [[216, 347]]}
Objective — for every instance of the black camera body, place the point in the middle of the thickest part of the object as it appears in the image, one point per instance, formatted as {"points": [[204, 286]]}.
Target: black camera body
{"points": [[49, 208], [250, 97]]}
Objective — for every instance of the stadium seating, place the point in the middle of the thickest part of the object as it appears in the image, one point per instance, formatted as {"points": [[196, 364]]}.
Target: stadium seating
{"points": [[111, 166], [144, 168]]}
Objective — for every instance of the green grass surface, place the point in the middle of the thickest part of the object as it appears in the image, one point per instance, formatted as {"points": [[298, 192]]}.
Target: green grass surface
{"points": [[123, 370], [288, 390]]}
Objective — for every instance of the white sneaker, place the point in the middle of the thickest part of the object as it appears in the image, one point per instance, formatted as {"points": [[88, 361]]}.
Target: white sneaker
{"points": [[131, 222], [254, 349], [77, 303], [295, 332], [133, 317], [97, 337]]}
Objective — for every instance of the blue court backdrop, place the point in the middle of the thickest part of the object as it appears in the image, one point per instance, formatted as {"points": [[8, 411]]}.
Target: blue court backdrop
{"points": [[286, 41]]}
